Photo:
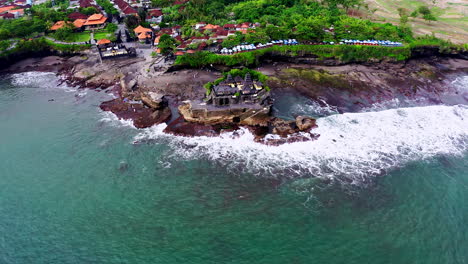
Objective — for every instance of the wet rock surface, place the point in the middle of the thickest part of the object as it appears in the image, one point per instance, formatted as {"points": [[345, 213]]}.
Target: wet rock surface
{"points": [[353, 87], [141, 89], [141, 115], [261, 126]]}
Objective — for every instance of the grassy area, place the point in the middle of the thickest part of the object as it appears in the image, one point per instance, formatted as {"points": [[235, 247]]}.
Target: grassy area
{"points": [[65, 48], [103, 35], [451, 16], [80, 37], [321, 52], [343, 53]]}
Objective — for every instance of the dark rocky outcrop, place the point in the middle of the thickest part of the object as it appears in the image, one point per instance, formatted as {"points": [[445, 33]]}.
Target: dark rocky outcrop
{"points": [[141, 115], [212, 121]]}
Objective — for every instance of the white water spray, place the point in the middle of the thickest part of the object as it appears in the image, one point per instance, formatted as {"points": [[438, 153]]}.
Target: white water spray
{"points": [[351, 147]]}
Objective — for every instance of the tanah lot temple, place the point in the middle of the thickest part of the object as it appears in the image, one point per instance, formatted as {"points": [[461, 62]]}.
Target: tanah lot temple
{"points": [[238, 90], [234, 100]]}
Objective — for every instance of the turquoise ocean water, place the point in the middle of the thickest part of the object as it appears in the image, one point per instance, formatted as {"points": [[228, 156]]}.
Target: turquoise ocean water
{"points": [[79, 186]]}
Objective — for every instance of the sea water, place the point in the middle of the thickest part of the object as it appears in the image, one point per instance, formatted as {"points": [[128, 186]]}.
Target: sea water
{"points": [[77, 185]]}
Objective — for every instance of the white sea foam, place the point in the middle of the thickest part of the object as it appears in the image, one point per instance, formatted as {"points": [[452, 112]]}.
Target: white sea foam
{"points": [[320, 108], [461, 86], [47, 80], [351, 147], [111, 118]]}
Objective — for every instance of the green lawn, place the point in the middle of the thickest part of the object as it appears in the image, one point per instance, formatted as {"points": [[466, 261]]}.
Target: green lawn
{"points": [[80, 37], [102, 35]]}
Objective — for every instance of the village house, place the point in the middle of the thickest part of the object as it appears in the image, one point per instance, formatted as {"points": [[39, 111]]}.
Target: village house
{"points": [[143, 34], [77, 15], [74, 4], [5, 9], [180, 2], [61, 24], [87, 3], [238, 90], [229, 27], [154, 16], [96, 21], [79, 24], [146, 3], [76, 25], [200, 25], [129, 11], [7, 16], [17, 12], [125, 8]]}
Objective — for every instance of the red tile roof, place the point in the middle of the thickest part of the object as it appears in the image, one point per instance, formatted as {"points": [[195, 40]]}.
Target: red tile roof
{"points": [[6, 8], [79, 22], [58, 25], [95, 19], [129, 10], [141, 29], [103, 41], [154, 13], [77, 15], [7, 16]]}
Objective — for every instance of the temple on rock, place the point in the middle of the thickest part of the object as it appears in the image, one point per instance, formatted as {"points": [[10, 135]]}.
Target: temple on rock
{"points": [[238, 90]]}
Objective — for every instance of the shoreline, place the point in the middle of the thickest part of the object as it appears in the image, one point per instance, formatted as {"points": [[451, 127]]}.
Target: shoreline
{"points": [[349, 87]]}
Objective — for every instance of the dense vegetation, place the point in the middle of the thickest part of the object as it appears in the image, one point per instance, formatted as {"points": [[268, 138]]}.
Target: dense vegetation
{"points": [[279, 19], [238, 72], [108, 7], [41, 18], [343, 53], [340, 52], [34, 47]]}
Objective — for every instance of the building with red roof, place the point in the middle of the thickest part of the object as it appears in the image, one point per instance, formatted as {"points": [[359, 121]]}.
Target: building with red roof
{"points": [[77, 15], [96, 21], [7, 16], [154, 16]]}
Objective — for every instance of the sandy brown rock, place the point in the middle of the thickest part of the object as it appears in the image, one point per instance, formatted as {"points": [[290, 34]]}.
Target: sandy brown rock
{"points": [[305, 123]]}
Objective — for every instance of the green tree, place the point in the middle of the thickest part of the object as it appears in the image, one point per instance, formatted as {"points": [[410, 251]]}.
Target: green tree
{"points": [[414, 14], [424, 10], [160, 3], [89, 10], [64, 34], [403, 16], [429, 17], [426, 13], [131, 22], [166, 44], [111, 27], [258, 36]]}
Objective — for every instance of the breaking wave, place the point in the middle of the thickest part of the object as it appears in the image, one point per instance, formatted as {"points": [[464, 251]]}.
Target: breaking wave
{"points": [[47, 80], [111, 118], [352, 147]]}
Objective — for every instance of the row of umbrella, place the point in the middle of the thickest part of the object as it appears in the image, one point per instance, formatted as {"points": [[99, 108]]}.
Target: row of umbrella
{"points": [[371, 42], [248, 47]]}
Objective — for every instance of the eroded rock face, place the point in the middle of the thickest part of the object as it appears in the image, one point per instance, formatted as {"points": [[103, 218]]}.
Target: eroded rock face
{"points": [[141, 115], [282, 127], [209, 121], [180, 127], [153, 100], [242, 116], [305, 123]]}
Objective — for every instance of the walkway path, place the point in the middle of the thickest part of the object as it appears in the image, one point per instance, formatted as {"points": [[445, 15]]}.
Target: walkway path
{"points": [[65, 43]]}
